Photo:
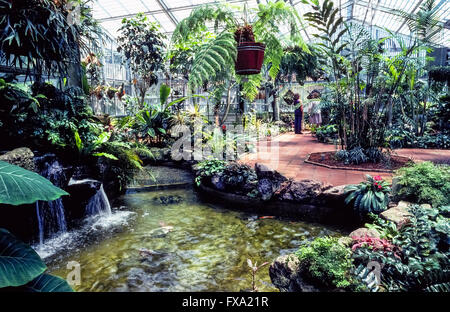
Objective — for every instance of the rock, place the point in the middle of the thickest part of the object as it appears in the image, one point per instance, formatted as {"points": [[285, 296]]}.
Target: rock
{"points": [[22, 157], [161, 232], [160, 176], [345, 241], [399, 214], [425, 206], [304, 191], [266, 188], [333, 196], [168, 200], [217, 182], [362, 232], [159, 155], [285, 274], [263, 172]]}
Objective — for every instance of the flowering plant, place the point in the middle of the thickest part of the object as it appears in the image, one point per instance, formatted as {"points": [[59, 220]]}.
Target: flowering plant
{"points": [[374, 243], [370, 196]]}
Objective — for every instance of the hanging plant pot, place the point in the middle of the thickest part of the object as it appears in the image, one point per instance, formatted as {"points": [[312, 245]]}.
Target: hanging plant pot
{"points": [[250, 58]]}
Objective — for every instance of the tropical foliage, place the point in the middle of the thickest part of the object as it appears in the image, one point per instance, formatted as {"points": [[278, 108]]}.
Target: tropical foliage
{"points": [[142, 44], [20, 265], [417, 258], [328, 263], [424, 183], [376, 100], [213, 61], [370, 196]]}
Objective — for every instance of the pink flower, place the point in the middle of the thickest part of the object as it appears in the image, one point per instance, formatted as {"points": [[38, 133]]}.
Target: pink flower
{"points": [[380, 187], [377, 178]]}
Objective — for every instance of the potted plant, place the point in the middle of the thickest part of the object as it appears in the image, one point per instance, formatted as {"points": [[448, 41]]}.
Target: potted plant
{"points": [[250, 54], [121, 92], [111, 92], [230, 52], [98, 92]]}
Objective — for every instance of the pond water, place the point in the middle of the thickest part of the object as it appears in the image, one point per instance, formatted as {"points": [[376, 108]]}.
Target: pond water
{"points": [[156, 245]]}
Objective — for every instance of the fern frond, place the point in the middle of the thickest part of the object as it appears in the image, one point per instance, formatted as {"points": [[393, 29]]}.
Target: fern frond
{"points": [[250, 85], [213, 57], [220, 15]]}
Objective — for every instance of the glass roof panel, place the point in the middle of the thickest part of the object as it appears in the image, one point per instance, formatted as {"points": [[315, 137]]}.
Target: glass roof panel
{"points": [[376, 13]]}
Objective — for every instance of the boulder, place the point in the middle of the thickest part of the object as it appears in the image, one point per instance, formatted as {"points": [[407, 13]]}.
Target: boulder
{"points": [[81, 191], [266, 188], [362, 232], [304, 191], [285, 273], [22, 157], [398, 214], [333, 196], [264, 172], [217, 182]]}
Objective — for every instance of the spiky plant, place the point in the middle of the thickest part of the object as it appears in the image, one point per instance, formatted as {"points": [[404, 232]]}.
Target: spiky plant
{"points": [[425, 23]]}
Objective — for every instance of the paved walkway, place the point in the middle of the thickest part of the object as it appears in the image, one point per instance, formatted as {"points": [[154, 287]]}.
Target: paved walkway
{"points": [[287, 152]]}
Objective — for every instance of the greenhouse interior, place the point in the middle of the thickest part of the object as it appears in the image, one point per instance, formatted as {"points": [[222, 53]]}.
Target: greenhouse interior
{"points": [[225, 146]]}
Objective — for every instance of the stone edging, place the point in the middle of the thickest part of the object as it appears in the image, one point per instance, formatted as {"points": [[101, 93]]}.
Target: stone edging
{"points": [[347, 168]]}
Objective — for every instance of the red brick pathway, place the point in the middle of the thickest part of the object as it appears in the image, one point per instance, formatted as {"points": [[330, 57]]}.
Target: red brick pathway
{"points": [[294, 148]]}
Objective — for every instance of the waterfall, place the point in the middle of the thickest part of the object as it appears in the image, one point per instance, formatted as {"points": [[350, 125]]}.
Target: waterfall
{"points": [[99, 204], [50, 215]]}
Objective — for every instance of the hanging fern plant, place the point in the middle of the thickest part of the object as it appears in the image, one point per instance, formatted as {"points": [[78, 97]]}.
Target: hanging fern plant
{"points": [[264, 26]]}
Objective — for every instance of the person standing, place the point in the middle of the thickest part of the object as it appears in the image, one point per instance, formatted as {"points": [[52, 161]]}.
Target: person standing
{"points": [[298, 114], [315, 116]]}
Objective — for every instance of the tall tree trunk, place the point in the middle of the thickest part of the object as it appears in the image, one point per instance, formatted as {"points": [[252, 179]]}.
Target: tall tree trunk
{"points": [[275, 107], [74, 71]]}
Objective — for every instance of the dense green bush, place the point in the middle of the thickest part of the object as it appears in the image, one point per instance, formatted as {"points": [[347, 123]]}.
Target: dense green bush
{"points": [[327, 262], [323, 133], [232, 177], [424, 183], [207, 168]]}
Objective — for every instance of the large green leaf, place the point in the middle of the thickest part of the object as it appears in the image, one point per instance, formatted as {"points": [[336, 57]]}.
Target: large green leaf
{"points": [[164, 92], [20, 186], [19, 263], [46, 283]]}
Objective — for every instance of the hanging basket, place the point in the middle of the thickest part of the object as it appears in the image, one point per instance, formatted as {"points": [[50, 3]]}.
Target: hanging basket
{"points": [[250, 58]]}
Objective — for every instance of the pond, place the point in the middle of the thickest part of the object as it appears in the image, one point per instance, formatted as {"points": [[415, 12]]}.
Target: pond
{"points": [[168, 240]]}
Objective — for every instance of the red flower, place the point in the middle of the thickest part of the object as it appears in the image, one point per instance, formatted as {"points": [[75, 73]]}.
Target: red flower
{"points": [[380, 187], [377, 178], [224, 127]]}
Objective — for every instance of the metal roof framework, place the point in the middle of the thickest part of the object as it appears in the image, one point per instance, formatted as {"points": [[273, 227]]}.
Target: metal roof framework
{"points": [[168, 13]]}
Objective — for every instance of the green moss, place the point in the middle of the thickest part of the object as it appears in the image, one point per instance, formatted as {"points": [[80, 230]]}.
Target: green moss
{"points": [[328, 262]]}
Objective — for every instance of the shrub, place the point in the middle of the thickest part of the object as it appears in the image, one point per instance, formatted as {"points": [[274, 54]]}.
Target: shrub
{"points": [[327, 262], [357, 156], [424, 183], [421, 262], [239, 178], [341, 155], [370, 196], [325, 132], [207, 168]]}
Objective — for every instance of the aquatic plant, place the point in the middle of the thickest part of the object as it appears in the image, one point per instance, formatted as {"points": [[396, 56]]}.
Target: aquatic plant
{"points": [[254, 268]]}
